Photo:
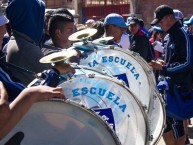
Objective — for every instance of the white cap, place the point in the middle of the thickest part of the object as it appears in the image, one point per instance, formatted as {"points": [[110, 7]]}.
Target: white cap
{"points": [[178, 14], [90, 21]]}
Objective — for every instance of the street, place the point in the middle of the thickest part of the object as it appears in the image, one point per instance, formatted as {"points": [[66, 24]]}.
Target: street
{"points": [[190, 135]]}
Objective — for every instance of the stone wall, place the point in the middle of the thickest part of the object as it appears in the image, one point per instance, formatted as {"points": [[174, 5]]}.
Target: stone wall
{"points": [[146, 8]]}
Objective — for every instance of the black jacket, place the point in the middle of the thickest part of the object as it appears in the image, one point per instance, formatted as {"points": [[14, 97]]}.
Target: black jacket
{"points": [[178, 57], [141, 45]]}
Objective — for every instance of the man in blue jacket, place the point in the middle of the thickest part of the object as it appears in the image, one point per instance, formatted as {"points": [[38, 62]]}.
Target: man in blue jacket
{"points": [[176, 65]]}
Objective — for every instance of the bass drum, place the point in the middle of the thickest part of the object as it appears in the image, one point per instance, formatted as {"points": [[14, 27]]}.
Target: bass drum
{"points": [[138, 75], [61, 123], [99, 92], [125, 65]]}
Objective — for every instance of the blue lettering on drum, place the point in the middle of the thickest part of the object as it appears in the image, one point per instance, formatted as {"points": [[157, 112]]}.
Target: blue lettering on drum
{"points": [[128, 65], [100, 92], [93, 63]]}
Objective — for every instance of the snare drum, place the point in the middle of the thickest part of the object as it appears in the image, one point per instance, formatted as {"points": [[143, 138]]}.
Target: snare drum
{"points": [[125, 65], [100, 92], [61, 123]]}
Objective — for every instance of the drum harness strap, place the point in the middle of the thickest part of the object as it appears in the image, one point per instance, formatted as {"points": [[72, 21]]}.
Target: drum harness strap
{"points": [[10, 66]]}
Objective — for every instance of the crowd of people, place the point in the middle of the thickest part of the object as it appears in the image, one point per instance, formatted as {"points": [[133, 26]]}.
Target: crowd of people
{"points": [[28, 33]]}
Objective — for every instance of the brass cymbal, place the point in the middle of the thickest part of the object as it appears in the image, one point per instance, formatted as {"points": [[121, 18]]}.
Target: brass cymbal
{"points": [[82, 35], [103, 40], [58, 56]]}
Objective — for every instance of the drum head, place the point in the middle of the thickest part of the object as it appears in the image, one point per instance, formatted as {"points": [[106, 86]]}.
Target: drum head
{"points": [[104, 92], [60, 123], [126, 66]]}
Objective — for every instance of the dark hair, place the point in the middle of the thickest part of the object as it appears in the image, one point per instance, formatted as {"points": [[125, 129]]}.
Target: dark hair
{"points": [[141, 23], [59, 18], [57, 22], [63, 12]]}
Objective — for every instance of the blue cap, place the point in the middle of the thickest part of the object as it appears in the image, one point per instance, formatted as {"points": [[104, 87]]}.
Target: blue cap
{"points": [[115, 19], [189, 22]]}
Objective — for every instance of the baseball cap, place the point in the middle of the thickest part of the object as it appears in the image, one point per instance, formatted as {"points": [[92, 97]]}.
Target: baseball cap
{"points": [[189, 22], [161, 12], [134, 20], [178, 14], [3, 19], [156, 28], [90, 21], [115, 19]]}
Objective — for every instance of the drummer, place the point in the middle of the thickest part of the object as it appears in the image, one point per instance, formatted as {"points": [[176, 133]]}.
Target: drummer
{"points": [[114, 26], [13, 112], [60, 27], [12, 84]]}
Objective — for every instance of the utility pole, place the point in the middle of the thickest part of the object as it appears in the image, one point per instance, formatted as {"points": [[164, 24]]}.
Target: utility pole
{"points": [[78, 5], [134, 6]]}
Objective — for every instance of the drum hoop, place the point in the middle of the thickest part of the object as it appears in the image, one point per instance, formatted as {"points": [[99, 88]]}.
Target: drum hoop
{"points": [[121, 83], [164, 116], [91, 69]]}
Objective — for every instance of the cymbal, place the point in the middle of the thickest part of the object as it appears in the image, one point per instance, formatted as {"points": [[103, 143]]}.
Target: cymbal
{"points": [[103, 40], [82, 34], [58, 56]]}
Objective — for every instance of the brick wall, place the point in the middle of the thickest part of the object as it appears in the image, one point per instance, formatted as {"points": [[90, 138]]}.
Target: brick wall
{"points": [[147, 7], [58, 4]]}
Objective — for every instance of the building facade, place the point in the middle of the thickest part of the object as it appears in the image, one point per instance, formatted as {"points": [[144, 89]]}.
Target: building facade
{"points": [[97, 9]]}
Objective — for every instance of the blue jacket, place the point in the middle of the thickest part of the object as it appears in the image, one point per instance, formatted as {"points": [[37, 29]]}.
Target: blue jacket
{"points": [[178, 57], [14, 87]]}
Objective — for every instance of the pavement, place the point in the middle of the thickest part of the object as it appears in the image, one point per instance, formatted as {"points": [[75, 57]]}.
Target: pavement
{"points": [[190, 132]]}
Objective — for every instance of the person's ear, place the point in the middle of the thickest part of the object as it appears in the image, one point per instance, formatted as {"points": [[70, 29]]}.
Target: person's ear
{"points": [[58, 33]]}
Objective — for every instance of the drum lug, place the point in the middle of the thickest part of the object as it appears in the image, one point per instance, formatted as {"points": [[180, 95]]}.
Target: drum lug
{"points": [[111, 47], [135, 53], [144, 107], [84, 55], [150, 137], [91, 75]]}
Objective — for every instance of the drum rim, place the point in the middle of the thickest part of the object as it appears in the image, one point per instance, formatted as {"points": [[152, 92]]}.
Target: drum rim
{"points": [[158, 95], [79, 67]]}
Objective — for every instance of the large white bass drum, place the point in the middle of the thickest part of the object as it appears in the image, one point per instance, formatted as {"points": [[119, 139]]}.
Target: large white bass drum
{"points": [[60, 123], [100, 93], [125, 65], [139, 77]]}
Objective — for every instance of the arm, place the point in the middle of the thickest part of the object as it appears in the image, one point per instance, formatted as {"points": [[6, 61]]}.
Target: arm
{"points": [[51, 77], [181, 60], [12, 113]]}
